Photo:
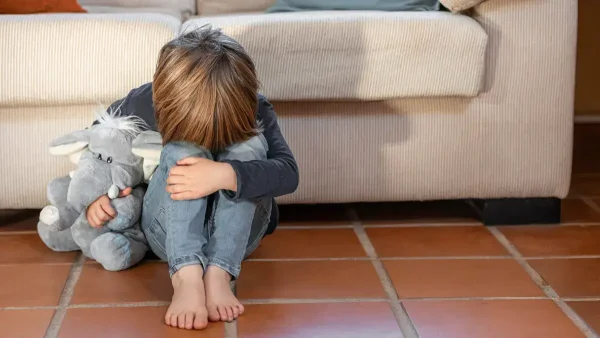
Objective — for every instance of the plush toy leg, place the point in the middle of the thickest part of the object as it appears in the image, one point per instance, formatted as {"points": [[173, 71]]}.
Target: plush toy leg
{"points": [[128, 210], [84, 234], [116, 251], [57, 240], [59, 215]]}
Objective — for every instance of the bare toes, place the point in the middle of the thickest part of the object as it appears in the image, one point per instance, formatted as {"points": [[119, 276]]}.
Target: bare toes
{"points": [[181, 321], [240, 308], [229, 313], [200, 323], [189, 321], [222, 313], [174, 320]]}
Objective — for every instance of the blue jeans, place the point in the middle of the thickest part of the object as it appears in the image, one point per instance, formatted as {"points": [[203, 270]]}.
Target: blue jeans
{"points": [[193, 232]]}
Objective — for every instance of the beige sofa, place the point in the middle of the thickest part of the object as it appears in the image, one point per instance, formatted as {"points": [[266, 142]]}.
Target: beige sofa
{"points": [[377, 106]]}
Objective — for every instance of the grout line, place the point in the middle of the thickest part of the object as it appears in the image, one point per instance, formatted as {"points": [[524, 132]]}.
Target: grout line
{"points": [[441, 258], [535, 258], [129, 304], [65, 298], [19, 308], [312, 300], [306, 259], [582, 299], [437, 299], [402, 318], [35, 263], [541, 283]]}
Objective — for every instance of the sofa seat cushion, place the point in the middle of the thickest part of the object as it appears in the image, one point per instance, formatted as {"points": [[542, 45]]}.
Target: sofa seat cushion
{"points": [[360, 54], [78, 58]]}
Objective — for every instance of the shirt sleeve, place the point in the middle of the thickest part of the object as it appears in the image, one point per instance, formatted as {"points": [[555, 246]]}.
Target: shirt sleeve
{"points": [[275, 176]]}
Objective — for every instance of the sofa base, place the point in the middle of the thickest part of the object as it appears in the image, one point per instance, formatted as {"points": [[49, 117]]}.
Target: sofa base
{"points": [[518, 211]]}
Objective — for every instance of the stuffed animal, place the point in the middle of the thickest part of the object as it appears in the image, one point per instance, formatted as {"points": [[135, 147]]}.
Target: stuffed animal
{"points": [[105, 166]]}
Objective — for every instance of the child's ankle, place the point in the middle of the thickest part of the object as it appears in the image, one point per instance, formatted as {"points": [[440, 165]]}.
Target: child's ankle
{"points": [[188, 272]]}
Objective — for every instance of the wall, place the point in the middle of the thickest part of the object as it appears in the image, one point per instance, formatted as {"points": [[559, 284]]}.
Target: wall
{"points": [[587, 91]]}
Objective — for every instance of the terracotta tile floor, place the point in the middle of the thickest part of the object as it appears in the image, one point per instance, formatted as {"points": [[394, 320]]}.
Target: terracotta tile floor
{"points": [[341, 271]]}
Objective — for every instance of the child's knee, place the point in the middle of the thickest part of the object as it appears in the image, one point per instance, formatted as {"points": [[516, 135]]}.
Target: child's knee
{"points": [[177, 151], [254, 149]]}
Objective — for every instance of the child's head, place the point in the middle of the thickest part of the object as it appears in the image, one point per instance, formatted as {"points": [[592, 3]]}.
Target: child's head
{"points": [[205, 90]]}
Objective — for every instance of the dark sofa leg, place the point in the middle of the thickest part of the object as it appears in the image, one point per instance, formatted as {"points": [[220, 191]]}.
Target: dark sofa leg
{"points": [[518, 211]]}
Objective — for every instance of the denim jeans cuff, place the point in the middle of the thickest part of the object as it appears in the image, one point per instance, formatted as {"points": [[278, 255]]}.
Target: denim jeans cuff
{"points": [[180, 262], [233, 271]]}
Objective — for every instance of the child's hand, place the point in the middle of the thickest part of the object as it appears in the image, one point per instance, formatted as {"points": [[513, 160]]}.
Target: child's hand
{"points": [[100, 211], [196, 177]]}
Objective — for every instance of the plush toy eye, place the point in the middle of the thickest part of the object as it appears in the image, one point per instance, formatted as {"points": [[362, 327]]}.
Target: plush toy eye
{"points": [[100, 157], [109, 160]]}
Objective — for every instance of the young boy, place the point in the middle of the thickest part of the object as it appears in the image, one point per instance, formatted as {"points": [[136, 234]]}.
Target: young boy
{"points": [[211, 199]]}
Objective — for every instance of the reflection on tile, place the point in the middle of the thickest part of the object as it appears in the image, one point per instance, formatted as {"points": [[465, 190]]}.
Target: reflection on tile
{"points": [[29, 248], [571, 277], [324, 243], [577, 211], [143, 283], [25, 323], [32, 284], [435, 241], [460, 278], [490, 319], [348, 320], [533, 241], [135, 322], [309, 279], [589, 312]]}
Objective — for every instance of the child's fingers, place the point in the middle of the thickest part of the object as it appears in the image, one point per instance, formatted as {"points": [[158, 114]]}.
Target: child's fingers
{"points": [[93, 219], [106, 207], [189, 161], [183, 196], [177, 188], [176, 179], [125, 192]]}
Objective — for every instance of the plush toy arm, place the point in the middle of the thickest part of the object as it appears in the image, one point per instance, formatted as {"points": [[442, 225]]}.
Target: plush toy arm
{"points": [[148, 145], [71, 145]]}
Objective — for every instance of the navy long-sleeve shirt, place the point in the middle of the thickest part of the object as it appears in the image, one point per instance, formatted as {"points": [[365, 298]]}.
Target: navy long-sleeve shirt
{"points": [[275, 176]]}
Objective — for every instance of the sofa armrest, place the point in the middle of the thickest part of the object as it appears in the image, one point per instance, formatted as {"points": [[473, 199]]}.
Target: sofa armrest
{"points": [[460, 5]]}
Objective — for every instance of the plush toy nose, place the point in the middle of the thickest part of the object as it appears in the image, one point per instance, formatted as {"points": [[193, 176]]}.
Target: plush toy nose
{"points": [[90, 180]]}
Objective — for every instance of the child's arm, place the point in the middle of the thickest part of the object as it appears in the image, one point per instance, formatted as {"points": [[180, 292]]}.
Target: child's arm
{"points": [[275, 176]]}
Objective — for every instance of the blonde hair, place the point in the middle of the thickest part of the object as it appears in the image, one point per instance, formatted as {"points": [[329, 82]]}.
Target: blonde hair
{"points": [[205, 90]]}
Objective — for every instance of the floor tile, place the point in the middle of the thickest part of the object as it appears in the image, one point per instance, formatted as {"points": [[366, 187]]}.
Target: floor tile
{"points": [[32, 284], [324, 243], [29, 248], [313, 215], [309, 279], [571, 277], [435, 241], [577, 211], [586, 153], [334, 320], [586, 185], [25, 323], [460, 278], [18, 220], [416, 212], [130, 322], [143, 283], [533, 241], [589, 312], [490, 319]]}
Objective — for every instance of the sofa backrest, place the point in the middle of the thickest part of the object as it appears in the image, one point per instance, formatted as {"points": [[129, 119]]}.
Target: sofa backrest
{"points": [[217, 7]]}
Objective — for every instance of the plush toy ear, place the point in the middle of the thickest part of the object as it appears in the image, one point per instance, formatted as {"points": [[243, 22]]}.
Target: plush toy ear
{"points": [[71, 145], [148, 146]]}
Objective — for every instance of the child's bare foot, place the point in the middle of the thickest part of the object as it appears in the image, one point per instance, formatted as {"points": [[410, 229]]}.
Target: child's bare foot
{"points": [[220, 301], [188, 307]]}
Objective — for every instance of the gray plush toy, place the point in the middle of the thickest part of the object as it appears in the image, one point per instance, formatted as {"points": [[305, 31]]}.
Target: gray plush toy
{"points": [[105, 165]]}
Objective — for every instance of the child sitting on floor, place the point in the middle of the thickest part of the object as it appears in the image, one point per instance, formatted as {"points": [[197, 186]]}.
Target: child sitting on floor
{"points": [[211, 199]]}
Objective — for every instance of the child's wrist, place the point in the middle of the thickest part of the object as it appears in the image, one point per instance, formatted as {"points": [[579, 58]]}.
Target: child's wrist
{"points": [[228, 177]]}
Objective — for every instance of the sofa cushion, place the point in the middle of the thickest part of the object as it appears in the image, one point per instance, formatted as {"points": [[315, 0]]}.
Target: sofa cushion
{"points": [[215, 7], [360, 55], [183, 8], [357, 5], [52, 59]]}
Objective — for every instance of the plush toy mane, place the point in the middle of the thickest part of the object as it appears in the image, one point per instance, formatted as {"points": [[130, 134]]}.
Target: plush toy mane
{"points": [[111, 119]]}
